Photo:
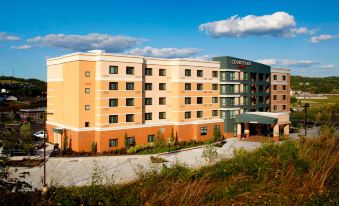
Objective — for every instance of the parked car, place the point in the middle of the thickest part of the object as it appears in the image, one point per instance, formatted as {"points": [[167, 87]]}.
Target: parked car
{"points": [[40, 134]]}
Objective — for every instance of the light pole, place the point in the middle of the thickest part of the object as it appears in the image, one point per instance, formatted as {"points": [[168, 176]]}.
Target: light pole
{"points": [[306, 105], [45, 135]]}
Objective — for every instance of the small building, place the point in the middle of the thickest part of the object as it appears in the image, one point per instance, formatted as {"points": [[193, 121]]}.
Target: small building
{"points": [[36, 115]]}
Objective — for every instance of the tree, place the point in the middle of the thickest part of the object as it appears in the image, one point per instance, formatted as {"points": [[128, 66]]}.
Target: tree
{"points": [[65, 142], [26, 131], [176, 141], [94, 147], [172, 140], [293, 100], [159, 140], [216, 133], [126, 141], [11, 115]]}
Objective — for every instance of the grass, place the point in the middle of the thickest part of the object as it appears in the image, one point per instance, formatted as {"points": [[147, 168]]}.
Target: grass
{"points": [[303, 172], [318, 103]]}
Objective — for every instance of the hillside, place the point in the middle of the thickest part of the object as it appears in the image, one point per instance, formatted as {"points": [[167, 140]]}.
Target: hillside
{"points": [[23, 87], [316, 85]]}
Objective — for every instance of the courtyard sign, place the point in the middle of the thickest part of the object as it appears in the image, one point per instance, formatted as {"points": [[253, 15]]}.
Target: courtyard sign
{"points": [[241, 62]]}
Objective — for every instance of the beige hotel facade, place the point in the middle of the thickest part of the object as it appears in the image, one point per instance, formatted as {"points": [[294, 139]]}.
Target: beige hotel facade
{"points": [[97, 97]]}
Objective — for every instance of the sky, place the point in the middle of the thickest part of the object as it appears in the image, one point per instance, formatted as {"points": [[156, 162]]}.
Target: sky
{"points": [[299, 35]]}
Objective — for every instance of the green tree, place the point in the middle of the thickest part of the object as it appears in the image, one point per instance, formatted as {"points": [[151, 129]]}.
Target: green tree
{"points": [[94, 147], [126, 141], [216, 133], [172, 140], [65, 145], [26, 131], [293, 100], [159, 140]]}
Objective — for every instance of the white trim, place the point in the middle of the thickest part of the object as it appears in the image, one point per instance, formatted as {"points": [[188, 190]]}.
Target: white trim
{"points": [[119, 78], [230, 95], [229, 70], [176, 80], [230, 82], [279, 83], [229, 109]]}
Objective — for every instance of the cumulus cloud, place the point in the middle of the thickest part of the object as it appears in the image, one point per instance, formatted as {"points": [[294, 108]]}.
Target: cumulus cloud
{"points": [[87, 42], [22, 47], [278, 24], [327, 66], [8, 37], [323, 37], [165, 52], [289, 62]]}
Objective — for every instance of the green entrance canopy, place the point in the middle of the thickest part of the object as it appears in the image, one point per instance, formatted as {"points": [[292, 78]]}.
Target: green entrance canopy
{"points": [[58, 130], [254, 118]]}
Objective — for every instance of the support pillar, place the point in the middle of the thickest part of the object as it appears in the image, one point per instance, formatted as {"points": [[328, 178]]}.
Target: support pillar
{"points": [[287, 130], [247, 130], [276, 133], [239, 131]]}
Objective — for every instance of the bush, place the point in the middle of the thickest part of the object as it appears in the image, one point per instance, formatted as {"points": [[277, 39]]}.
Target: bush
{"points": [[138, 148]]}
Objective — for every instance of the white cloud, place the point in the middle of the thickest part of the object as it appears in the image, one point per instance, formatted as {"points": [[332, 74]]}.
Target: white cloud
{"points": [[87, 42], [7, 37], [22, 47], [206, 57], [165, 52], [323, 37], [327, 66], [288, 62], [278, 24]]}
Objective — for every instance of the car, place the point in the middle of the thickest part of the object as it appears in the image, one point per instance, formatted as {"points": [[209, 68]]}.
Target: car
{"points": [[40, 134]]}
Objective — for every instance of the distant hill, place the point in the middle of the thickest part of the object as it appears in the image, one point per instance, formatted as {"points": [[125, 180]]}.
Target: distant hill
{"points": [[23, 87], [316, 85]]}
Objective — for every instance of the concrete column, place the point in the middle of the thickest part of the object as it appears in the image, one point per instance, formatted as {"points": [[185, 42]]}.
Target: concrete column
{"points": [[239, 131], [276, 133], [247, 130], [287, 130]]}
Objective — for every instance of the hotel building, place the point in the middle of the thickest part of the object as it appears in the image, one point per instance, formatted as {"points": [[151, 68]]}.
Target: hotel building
{"points": [[101, 98], [280, 92]]}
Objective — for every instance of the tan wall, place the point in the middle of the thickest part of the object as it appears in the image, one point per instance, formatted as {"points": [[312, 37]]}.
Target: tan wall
{"points": [[279, 102]]}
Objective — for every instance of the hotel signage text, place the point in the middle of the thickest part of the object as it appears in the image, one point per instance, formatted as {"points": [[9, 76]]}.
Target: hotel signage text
{"points": [[241, 62]]}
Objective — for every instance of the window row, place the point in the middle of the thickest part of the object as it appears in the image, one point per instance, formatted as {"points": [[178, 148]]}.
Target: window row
{"points": [[188, 86], [275, 77], [275, 107], [200, 73], [188, 100], [130, 86], [130, 117], [188, 114]]}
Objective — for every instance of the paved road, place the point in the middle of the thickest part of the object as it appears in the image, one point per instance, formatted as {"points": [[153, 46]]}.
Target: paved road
{"points": [[118, 169]]}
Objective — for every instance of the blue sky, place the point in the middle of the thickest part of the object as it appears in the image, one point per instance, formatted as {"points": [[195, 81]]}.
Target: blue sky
{"points": [[301, 35]]}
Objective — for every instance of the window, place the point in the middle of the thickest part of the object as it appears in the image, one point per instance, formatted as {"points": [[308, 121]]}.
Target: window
{"points": [[129, 101], [223, 88], [87, 74], [130, 70], [275, 87], [187, 115], [223, 76], [214, 99], [199, 114], [148, 101], [151, 138], [87, 90], [199, 73], [223, 101], [222, 114], [275, 77], [187, 72], [87, 107], [203, 130], [199, 100], [86, 124], [214, 86], [162, 100], [130, 141], [246, 88], [246, 76], [274, 97], [148, 71], [231, 114], [284, 97], [129, 86], [187, 86], [187, 100], [284, 87], [129, 117], [113, 69], [113, 119], [232, 75], [162, 115], [148, 86], [162, 86], [235, 128], [113, 142], [275, 107], [214, 113], [284, 77], [214, 73], [113, 102], [246, 100], [113, 86], [199, 86], [162, 72], [148, 116], [232, 89], [232, 101], [284, 107]]}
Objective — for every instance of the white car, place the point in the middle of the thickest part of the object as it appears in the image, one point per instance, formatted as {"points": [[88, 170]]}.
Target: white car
{"points": [[39, 134]]}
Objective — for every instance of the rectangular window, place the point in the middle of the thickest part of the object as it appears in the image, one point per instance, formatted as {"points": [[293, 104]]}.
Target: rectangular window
{"points": [[222, 114], [214, 99], [275, 107], [199, 73], [284, 97], [87, 107], [284, 87], [246, 101], [129, 117], [148, 71], [187, 115], [199, 114], [284, 78], [130, 141], [87, 74], [86, 124], [246, 88], [232, 75], [275, 87], [130, 70], [129, 86], [232, 101], [214, 113], [275, 77], [223, 76], [87, 90], [148, 101], [148, 86], [162, 86], [214, 86], [150, 138], [113, 69], [187, 72], [113, 142], [223, 88], [232, 89], [162, 100], [187, 100], [199, 100], [148, 116], [187, 86], [284, 107], [274, 97], [231, 114], [162, 115], [162, 72], [129, 101], [246, 76], [203, 130], [113, 102], [199, 86], [214, 73], [113, 86], [113, 119]]}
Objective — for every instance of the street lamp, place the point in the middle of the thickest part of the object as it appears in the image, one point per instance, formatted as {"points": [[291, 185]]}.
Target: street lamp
{"points": [[45, 135], [306, 105]]}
